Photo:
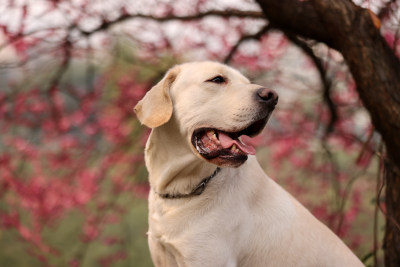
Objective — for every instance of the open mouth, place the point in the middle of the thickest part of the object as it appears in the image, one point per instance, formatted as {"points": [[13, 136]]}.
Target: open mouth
{"points": [[224, 147]]}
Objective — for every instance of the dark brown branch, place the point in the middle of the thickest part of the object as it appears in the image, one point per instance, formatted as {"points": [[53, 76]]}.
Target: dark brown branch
{"points": [[386, 9], [246, 37], [378, 191], [219, 13], [53, 86], [19, 36], [296, 17], [66, 58], [326, 82]]}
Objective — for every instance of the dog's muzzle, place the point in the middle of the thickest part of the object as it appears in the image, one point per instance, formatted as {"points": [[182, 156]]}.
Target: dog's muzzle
{"points": [[226, 148]]}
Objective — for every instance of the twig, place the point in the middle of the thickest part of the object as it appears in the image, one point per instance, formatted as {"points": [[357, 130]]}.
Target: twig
{"points": [[63, 66], [20, 36], [366, 144], [345, 198], [246, 37], [326, 82], [385, 10], [389, 167], [335, 170], [379, 186], [52, 88]]}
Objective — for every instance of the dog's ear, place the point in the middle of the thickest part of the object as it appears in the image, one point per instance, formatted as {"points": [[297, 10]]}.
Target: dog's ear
{"points": [[155, 108]]}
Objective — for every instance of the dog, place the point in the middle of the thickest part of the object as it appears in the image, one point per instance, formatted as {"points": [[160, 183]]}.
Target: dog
{"points": [[210, 202]]}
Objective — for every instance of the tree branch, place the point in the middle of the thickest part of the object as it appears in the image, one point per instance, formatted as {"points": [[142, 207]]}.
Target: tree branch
{"points": [[219, 13], [299, 19], [54, 82], [246, 37], [326, 82], [386, 9]]}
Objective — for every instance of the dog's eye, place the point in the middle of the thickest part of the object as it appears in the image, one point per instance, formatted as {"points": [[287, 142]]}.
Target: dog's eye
{"points": [[217, 79]]}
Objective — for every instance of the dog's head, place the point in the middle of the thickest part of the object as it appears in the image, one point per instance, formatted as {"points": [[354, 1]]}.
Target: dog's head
{"points": [[213, 106]]}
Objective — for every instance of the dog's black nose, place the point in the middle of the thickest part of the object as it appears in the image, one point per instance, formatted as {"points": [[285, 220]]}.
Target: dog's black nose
{"points": [[268, 96]]}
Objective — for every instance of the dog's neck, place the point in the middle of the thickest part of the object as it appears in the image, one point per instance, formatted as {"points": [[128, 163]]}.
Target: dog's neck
{"points": [[172, 163]]}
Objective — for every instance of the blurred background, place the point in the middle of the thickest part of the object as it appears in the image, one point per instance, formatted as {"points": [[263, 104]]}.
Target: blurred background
{"points": [[73, 185]]}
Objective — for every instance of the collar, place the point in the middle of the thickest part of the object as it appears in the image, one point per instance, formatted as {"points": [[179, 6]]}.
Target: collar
{"points": [[196, 191]]}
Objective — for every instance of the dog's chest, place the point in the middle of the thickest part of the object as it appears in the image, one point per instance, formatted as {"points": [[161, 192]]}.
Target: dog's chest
{"points": [[214, 232]]}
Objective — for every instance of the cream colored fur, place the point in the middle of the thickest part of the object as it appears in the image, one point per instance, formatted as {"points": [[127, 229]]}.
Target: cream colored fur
{"points": [[243, 218]]}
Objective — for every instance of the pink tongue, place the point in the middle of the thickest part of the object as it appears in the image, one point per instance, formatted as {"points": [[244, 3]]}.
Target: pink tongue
{"points": [[227, 142]]}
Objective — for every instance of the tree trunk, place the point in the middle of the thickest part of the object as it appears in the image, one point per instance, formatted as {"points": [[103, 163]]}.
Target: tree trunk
{"points": [[349, 29], [392, 231]]}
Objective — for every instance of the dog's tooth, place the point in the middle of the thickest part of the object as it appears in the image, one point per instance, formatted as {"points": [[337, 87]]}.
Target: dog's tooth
{"points": [[233, 148], [237, 150]]}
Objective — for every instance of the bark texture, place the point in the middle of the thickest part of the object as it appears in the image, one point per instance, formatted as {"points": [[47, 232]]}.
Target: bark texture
{"points": [[349, 29], [392, 236]]}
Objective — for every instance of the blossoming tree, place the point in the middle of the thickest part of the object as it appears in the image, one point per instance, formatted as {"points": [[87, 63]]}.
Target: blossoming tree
{"points": [[73, 70]]}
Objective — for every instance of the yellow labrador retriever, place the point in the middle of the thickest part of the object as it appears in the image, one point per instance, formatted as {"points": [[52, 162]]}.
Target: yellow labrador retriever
{"points": [[210, 202]]}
